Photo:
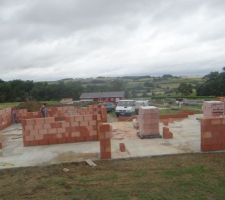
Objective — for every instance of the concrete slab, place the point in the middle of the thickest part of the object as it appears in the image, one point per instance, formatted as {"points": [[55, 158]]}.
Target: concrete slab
{"points": [[186, 139], [14, 154]]}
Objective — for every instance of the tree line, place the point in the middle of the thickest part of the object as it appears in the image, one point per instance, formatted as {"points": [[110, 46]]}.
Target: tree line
{"points": [[19, 90], [213, 85]]}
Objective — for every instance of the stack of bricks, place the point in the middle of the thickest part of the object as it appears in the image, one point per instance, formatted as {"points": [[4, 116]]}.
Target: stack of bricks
{"points": [[213, 109], [213, 126], [44, 131], [148, 120], [5, 118], [166, 133], [105, 134]]}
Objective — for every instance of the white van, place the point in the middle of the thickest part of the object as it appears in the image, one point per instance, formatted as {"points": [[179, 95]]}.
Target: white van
{"points": [[125, 108], [140, 103]]}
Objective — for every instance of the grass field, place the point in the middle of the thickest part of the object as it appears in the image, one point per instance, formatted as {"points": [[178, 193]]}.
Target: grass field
{"points": [[8, 105], [14, 104], [175, 110], [193, 176]]}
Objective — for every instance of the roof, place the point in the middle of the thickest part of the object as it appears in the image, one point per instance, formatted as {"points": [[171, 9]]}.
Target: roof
{"points": [[92, 95]]}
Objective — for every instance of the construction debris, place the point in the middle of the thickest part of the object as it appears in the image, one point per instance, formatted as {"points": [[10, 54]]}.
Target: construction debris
{"points": [[90, 163]]}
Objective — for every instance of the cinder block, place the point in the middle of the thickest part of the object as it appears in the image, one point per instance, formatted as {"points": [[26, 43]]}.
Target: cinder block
{"points": [[61, 130], [49, 120], [52, 131], [75, 134], [59, 135], [75, 123], [46, 126], [87, 118], [92, 123], [84, 123], [42, 131], [78, 118]]}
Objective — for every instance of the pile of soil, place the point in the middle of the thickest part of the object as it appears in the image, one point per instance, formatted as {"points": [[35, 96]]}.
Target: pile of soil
{"points": [[31, 106]]}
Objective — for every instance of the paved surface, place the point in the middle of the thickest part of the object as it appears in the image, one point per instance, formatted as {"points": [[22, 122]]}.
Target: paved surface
{"points": [[186, 139]]}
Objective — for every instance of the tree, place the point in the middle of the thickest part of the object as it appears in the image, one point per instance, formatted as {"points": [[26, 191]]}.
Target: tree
{"points": [[148, 84], [185, 89], [214, 84], [117, 85]]}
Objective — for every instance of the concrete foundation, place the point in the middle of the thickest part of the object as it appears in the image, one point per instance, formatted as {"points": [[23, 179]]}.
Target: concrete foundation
{"points": [[186, 139]]}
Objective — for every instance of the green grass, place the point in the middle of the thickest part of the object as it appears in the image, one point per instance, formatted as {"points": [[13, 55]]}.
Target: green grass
{"points": [[174, 110], [14, 104], [51, 103], [182, 177], [8, 105]]}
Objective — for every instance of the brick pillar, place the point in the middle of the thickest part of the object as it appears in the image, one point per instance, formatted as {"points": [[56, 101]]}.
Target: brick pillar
{"points": [[213, 134], [105, 134]]}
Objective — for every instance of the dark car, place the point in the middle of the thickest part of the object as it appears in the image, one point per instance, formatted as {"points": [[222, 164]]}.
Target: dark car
{"points": [[109, 106]]}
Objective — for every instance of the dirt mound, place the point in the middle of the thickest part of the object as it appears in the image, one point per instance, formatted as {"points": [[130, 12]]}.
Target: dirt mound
{"points": [[31, 106]]}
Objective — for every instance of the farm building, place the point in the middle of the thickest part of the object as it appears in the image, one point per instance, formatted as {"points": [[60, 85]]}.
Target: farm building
{"points": [[103, 96]]}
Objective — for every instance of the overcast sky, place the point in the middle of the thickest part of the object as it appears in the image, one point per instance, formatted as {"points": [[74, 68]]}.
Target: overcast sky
{"points": [[54, 39]]}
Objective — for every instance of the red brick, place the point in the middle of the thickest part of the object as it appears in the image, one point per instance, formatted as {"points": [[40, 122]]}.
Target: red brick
{"points": [[122, 147], [105, 155]]}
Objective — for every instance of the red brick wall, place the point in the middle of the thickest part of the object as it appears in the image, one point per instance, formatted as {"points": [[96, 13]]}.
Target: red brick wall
{"points": [[5, 118], [43, 131], [24, 114], [64, 124], [213, 134], [65, 111]]}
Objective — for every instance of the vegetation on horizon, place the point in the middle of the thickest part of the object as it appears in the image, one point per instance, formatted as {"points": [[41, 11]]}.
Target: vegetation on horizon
{"points": [[167, 85]]}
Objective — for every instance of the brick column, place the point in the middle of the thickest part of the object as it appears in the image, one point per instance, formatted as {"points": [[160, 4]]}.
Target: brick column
{"points": [[213, 134], [105, 134]]}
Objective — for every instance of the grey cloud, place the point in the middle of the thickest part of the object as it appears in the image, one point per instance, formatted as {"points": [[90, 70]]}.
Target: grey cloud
{"points": [[54, 39]]}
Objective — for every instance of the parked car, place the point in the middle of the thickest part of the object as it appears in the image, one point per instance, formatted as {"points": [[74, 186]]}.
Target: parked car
{"points": [[140, 103], [109, 106], [125, 108]]}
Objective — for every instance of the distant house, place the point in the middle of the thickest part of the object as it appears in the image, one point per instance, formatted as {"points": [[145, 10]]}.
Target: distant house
{"points": [[103, 96], [67, 101]]}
